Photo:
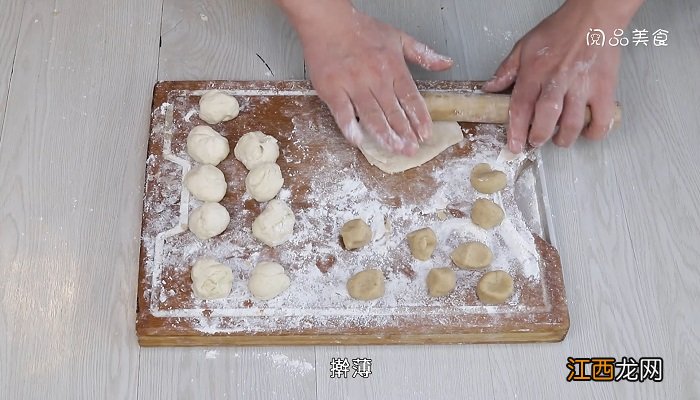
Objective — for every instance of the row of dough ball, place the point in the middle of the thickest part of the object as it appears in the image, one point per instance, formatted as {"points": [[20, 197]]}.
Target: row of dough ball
{"points": [[485, 213], [356, 233], [206, 182], [368, 284], [469, 255], [258, 152], [212, 280], [494, 287]]}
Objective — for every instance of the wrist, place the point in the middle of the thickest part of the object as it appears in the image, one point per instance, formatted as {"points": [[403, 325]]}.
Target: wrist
{"points": [[617, 14]]}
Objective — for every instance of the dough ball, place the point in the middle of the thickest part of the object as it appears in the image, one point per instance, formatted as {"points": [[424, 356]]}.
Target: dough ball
{"points": [[210, 279], [275, 224], [422, 243], [267, 280], [206, 146], [441, 281], [255, 148], [487, 214], [366, 285], [495, 287], [264, 181], [206, 183], [355, 233], [472, 255], [486, 180], [216, 106], [209, 220]]}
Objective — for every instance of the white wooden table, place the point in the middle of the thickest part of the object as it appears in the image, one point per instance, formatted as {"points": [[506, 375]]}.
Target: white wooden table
{"points": [[75, 91]]}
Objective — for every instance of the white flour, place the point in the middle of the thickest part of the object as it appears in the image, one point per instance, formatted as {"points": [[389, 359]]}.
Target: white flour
{"points": [[297, 367], [317, 264]]}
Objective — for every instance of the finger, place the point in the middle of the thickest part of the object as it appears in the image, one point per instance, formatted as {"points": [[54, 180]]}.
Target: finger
{"points": [[419, 53], [374, 122], [522, 105], [344, 114], [506, 73], [414, 106], [572, 120], [547, 111], [602, 119], [395, 115]]}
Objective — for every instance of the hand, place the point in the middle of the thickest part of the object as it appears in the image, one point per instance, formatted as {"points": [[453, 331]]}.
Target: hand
{"points": [[358, 67], [557, 75]]}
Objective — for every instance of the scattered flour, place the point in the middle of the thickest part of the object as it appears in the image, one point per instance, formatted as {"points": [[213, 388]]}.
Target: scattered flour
{"points": [[297, 367], [317, 264]]}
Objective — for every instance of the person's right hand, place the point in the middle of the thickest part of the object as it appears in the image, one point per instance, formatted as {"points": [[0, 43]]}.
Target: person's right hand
{"points": [[555, 75], [358, 67]]}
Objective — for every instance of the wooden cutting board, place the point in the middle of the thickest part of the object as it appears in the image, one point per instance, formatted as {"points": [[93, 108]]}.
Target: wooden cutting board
{"points": [[326, 183]]}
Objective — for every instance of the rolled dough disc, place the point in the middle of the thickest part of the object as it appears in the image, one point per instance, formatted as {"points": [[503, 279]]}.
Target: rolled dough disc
{"points": [[445, 135]]}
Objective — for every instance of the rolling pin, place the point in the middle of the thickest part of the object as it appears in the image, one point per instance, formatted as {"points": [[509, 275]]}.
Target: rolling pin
{"points": [[482, 108]]}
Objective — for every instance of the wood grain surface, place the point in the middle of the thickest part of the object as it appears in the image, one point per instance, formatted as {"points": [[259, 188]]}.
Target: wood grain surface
{"points": [[10, 19], [253, 39], [71, 157], [308, 136], [625, 210]]}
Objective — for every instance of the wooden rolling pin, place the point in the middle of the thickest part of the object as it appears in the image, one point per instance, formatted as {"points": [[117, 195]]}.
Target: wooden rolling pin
{"points": [[483, 108]]}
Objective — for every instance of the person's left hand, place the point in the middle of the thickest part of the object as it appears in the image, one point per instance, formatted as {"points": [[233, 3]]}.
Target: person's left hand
{"points": [[557, 75]]}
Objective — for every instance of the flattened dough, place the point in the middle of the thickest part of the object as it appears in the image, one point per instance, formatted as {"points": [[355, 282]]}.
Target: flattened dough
{"points": [[472, 255], [487, 180], [495, 287], [487, 214], [366, 285], [445, 135], [355, 233], [441, 282], [422, 243]]}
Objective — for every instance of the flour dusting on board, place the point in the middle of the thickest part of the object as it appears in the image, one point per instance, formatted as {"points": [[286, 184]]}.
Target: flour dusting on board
{"points": [[317, 264]]}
